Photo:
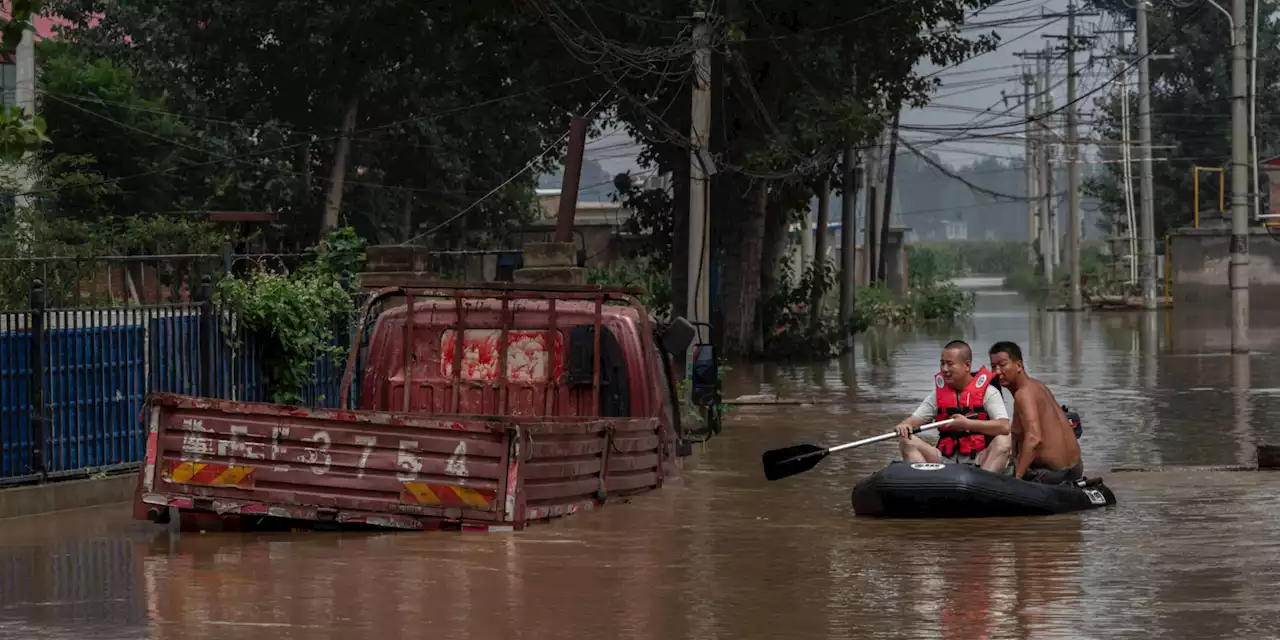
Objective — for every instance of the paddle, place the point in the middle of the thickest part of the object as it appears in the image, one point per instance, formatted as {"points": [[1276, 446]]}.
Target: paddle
{"points": [[788, 461]]}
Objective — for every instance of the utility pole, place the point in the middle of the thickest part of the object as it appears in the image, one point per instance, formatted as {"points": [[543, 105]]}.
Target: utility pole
{"points": [[1029, 154], [882, 272], [571, 184], [1076, 302], [1238, 273], [1146, 212], [25, 97], [1050, 217], [697, 308], [1072, 149]]}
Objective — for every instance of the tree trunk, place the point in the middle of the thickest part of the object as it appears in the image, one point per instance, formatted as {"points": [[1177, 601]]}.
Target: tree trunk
{"points": [[742, 272], [882, 272], [304, 170], [406, 218], [338, 173], [820, 255], [774, 249]]}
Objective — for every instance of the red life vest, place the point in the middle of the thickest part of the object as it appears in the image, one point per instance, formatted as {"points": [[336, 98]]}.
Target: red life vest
{"points": [[952, 402]]}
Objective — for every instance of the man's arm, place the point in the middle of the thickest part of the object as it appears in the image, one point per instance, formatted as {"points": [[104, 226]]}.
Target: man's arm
{"points": [[997, 422], [923, 415], [1027, 412]]}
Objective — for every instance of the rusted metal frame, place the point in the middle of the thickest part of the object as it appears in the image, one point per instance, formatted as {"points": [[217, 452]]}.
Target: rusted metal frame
{"points": [[516, 293], [489, 289], [595, 360], [349, 373], [655, 399], [510, 472], [459, 342], [469, 290], [408, 351], [504, 340], [551, 386], [603, 492]]}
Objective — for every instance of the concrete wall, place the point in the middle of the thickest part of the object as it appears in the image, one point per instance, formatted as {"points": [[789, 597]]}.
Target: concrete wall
{"points": [[1198, 269], [71, 494]]}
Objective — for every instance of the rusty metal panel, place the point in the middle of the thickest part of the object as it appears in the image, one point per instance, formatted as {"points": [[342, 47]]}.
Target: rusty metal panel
{"points": [[573, 466], [360, 461], [389, 469]]}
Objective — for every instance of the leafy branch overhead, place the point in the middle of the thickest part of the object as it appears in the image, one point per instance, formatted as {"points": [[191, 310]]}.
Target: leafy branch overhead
{"points": [[20, 132]]}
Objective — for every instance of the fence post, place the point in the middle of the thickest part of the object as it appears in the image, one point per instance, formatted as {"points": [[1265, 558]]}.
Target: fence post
{"points": [[207, 336], [39, 412]]}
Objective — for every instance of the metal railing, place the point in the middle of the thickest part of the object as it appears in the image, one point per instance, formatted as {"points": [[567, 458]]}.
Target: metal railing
{"points": [[74, 379]]}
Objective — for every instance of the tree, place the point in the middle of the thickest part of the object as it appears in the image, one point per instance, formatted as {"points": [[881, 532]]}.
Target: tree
{"points": [[787, 100], [433, 106], [20, 132], [1190, 108]]}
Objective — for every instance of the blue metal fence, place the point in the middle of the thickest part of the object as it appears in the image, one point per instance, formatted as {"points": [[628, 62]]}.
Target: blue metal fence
{"points": [[15, 397], [93, 393], [97, 368]]}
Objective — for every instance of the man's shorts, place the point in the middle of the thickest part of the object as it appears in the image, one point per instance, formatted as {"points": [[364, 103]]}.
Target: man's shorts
{"points": [[1055, 476]]}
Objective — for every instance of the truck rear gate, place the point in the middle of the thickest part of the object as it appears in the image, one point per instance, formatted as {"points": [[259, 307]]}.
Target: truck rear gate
{"points": [[389, 469]]}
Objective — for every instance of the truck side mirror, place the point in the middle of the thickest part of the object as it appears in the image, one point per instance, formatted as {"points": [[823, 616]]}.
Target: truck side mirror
{"points": [[677, 337]]}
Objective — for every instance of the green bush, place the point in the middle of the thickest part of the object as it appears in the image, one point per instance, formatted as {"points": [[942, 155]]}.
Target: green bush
{"points": [[935, 262], [943, 302], [643, 272], [787, 323]]}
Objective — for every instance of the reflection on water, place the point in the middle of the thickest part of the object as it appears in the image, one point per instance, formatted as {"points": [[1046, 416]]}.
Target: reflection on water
{"points": [[724, 554]]}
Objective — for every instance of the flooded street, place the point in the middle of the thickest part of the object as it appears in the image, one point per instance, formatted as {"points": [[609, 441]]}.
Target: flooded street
{"points": [[725, 554]]}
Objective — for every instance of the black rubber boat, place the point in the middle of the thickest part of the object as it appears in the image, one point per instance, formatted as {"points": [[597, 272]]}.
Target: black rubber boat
{"points": [[927, 490]]}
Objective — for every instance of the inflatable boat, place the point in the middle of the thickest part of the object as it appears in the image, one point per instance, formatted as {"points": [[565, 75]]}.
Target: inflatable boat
{"points": [[929, 490]]}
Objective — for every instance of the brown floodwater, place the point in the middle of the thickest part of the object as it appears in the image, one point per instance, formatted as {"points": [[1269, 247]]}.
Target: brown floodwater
{"points": [[725, 554]]}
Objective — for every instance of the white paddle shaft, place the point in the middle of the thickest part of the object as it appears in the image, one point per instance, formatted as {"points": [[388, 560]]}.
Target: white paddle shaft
{"points": [[886, 436]]}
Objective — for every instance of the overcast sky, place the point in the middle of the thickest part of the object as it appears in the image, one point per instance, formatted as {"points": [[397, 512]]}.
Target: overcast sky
{"points": [[971, 92]]}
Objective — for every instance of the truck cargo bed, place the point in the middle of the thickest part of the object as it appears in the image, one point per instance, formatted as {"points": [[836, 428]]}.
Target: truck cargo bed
{"points": [[400, 470]]}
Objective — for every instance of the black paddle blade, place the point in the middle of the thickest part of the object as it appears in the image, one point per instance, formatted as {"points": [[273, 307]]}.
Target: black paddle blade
{"points": [[788, 461]]}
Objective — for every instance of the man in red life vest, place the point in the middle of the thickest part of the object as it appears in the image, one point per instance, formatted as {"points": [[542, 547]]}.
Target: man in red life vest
{"points": [[960, 391]]}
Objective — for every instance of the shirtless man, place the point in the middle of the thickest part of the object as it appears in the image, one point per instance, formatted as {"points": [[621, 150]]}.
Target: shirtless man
{"points": [[1045, 447], [958, 391]]}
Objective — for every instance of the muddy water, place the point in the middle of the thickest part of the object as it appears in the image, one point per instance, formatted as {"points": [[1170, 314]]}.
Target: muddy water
{"points": [[725, 554]]}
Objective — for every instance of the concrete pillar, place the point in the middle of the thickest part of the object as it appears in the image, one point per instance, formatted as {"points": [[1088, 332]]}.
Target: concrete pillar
{"points": [[551, 263]]}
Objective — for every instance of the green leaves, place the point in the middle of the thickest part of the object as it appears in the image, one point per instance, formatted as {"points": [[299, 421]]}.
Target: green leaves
{"points": [[296, 314], [20, 14], [20, 134]]}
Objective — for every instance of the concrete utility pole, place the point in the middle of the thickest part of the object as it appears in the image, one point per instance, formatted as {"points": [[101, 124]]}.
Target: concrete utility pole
{"points": [[1050, 216], [1030, 154], [1072, 149], [697, 307], [25, 97], [572, 181], [1076, 302], [1238, 268], [1146, 212]]}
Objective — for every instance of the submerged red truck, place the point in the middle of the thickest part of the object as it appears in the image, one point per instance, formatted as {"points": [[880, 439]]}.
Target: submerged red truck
{"points": [[480, 407]]}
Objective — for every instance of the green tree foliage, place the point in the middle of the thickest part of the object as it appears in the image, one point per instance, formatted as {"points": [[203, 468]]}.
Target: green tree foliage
{"points": [[783, 105], [410, 112], [1190, 109], [20, 132]]}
